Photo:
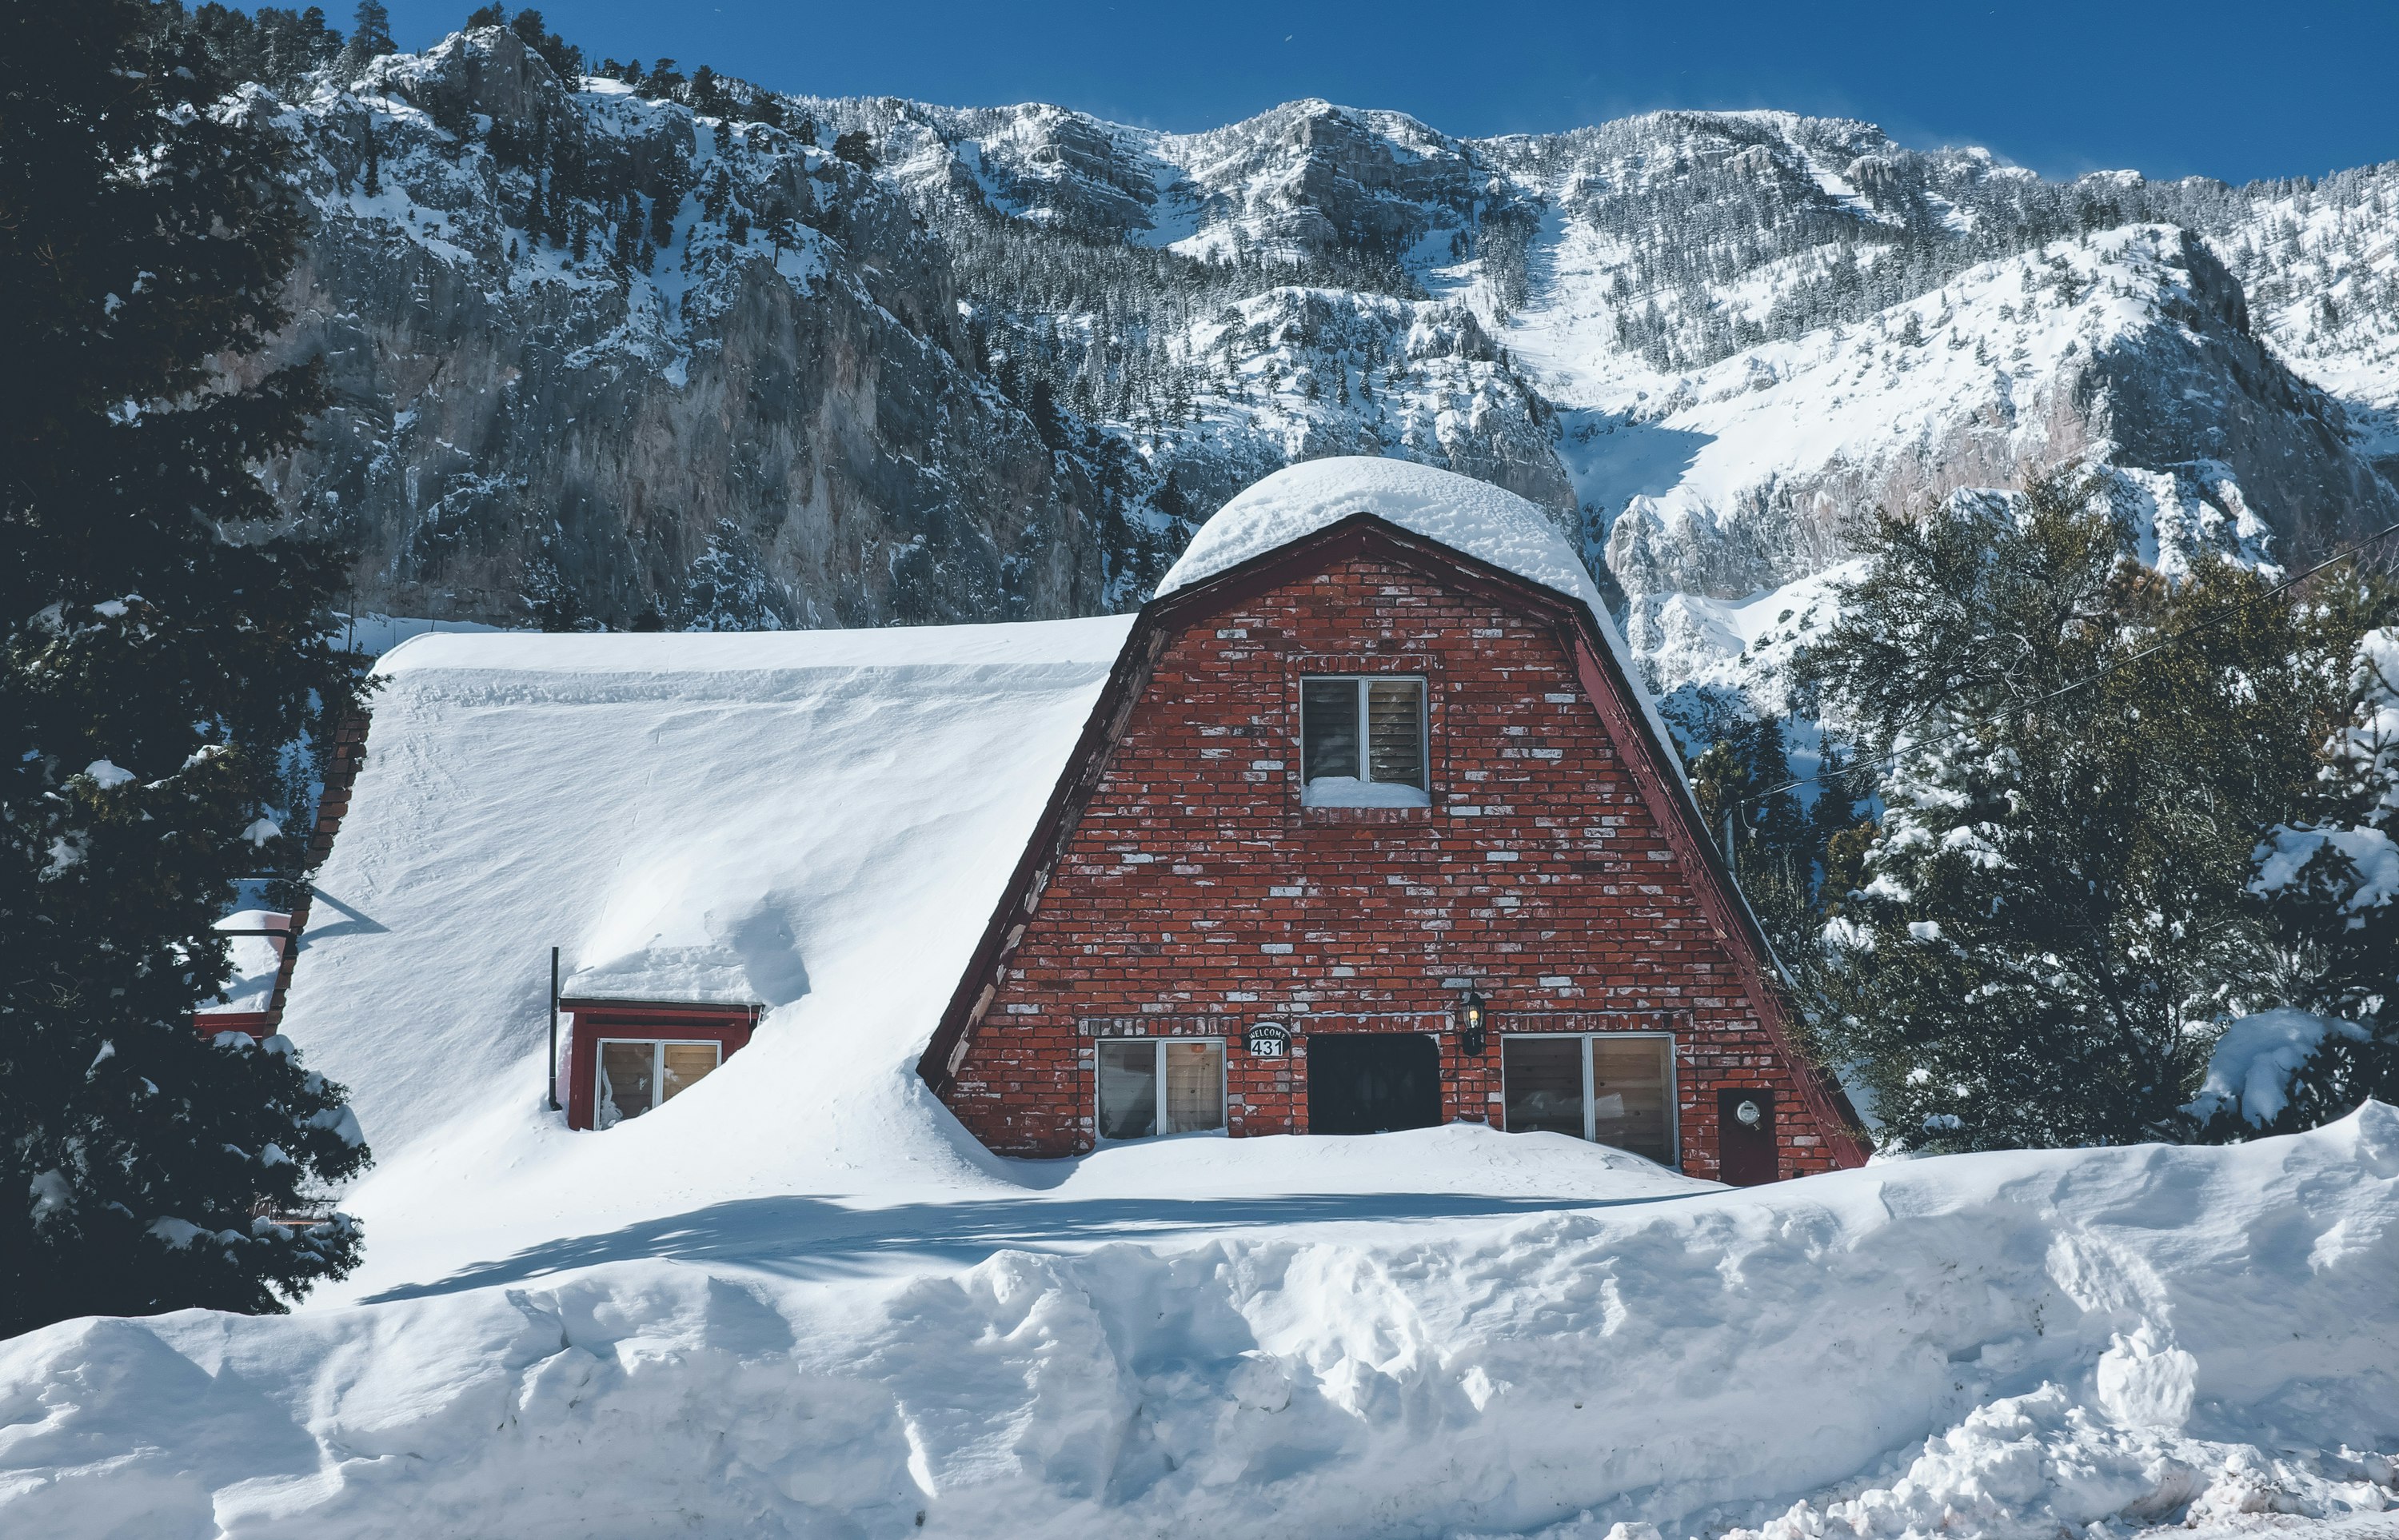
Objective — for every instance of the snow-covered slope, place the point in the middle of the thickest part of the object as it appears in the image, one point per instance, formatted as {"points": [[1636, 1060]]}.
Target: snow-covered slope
{"points": [[2002, 1346], [2127, 349], [605, 355], [2320, 262], [1745, 329], [594, 357], [816, 822]]}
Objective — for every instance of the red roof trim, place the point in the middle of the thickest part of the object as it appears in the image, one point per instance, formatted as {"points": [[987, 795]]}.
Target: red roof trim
{"points": [[1602, 679]]}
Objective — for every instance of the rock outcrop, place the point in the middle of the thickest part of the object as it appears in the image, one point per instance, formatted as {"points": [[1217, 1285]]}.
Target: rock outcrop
{"points": [[761, 418]]}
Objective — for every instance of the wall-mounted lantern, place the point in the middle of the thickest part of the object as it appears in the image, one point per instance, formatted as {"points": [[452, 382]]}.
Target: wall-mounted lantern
{"points": [[1468, 1017]]}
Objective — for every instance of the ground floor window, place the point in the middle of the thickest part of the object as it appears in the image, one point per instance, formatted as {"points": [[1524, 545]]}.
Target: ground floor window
{"points": [[1610, 1087], [1160, 1085], [637, 1075]]}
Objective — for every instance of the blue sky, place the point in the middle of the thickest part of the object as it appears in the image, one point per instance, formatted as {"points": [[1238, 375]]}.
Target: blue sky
{"points": [[2300, 87]]}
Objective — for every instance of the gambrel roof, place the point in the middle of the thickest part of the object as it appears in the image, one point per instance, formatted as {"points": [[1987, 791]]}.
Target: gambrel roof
{"points": [[1310, 534]]}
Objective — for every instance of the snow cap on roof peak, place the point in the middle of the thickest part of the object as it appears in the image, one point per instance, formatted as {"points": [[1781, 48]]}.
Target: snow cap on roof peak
{"points": [[1465, 514], [1462, 513]]}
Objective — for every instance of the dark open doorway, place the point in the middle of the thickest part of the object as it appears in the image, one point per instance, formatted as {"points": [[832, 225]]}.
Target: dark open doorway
{"points": [[1372, 1082]]}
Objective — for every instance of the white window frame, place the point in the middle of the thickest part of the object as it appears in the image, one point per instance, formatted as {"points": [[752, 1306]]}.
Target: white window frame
{"points": [[1590, 1102], [1365, 735], [658, 1047], [1158, 1115]]}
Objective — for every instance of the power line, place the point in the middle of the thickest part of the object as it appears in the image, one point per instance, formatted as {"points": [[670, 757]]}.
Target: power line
{"points": [[2039, 701]]}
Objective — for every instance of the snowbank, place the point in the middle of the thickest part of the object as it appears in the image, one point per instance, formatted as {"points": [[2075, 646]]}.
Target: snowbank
{"points": [[257, 958], [1983, 1345]]}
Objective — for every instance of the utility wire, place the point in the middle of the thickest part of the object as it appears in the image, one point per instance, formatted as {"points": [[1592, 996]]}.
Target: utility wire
{"points": [[2039, 701]]}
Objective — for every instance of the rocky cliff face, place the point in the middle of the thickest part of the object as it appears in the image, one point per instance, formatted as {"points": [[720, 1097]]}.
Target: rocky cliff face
{"points": [[2128, 349], [721, 385], [601, 356]]}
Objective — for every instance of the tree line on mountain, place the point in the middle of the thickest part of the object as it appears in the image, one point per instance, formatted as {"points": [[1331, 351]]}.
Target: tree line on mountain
{"points": [[1107, 326], [2093, 816], [1730, 240]]}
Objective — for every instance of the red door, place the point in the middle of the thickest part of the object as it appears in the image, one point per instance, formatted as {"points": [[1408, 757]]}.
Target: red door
{"points": [[1745, 1136]]}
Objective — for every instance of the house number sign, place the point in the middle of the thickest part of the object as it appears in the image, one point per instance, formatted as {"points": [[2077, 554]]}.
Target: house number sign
{"points": [[1270, 1040]]}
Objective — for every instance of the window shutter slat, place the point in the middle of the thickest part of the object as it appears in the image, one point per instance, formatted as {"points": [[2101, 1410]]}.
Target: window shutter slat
{"points": [[1395, 730]]}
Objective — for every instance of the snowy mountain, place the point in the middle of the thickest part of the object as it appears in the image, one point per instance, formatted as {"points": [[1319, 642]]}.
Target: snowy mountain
{"points": [[1002, 361], [594, 352]]}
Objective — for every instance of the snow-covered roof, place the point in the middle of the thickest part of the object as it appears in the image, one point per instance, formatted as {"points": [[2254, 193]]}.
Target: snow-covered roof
{"points": [[1475, 516], [1459, 511], [815, 822], [257, 959]]}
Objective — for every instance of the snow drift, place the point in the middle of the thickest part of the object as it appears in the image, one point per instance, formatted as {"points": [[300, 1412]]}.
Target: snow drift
{"points": [[816, 822], [799, 1300], [2005, 1345]]}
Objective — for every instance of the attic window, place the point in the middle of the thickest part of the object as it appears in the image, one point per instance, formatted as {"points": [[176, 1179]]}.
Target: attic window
{"points": [[636, 1077], [1362, 742]]}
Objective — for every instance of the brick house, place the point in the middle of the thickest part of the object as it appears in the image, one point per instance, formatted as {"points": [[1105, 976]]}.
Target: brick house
{"points": [[1362, 824], [1368, 831]]}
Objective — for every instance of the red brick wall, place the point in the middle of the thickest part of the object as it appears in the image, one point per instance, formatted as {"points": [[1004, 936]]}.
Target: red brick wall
{"points": [[1197, 896]]}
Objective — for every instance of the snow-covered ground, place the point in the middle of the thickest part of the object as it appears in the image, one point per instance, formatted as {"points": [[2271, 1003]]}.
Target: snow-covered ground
{"points": [[799, 1299], [1450, 1331]]}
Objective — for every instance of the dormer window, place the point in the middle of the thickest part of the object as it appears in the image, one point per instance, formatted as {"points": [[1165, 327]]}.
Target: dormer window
{"points": [[1362, 741], [626, 1058], [636, 1077]]}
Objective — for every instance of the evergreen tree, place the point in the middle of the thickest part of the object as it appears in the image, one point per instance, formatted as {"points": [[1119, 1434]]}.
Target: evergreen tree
{"points": [[275, 48], [2327, 883], [727, 589], [370, 38], [565, 59], [153, 668], [856, 148], [2054, 916], [1744, 784]]}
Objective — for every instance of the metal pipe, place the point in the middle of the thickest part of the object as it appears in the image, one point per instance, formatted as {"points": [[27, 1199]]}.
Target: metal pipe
{"points": [[553, 1029]]}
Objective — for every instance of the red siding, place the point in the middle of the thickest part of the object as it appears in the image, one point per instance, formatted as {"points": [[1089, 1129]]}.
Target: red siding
{"points": [[1196, 895], [589, 1020]]}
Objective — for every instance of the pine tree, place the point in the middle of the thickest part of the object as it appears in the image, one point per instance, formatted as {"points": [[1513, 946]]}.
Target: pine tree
{"points": [[565, 59], [2054, 915], [1743, 785], [2327, 884], [153, 669], [856, 148], [370, 38]]}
